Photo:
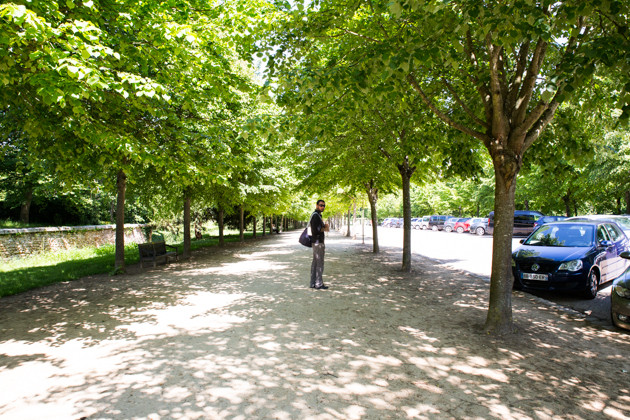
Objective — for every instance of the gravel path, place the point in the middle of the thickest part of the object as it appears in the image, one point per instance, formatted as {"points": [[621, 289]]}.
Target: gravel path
{"points": [[237, 334]]}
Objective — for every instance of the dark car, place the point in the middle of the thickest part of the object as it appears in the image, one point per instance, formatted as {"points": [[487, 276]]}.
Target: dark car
{"points": [[478, 226], [570, 256], [436, 222], [548, 219], [523, 222], [620, 298]]}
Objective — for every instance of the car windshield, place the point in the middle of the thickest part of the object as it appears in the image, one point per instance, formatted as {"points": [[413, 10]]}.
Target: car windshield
{"points": [[562, 235]]}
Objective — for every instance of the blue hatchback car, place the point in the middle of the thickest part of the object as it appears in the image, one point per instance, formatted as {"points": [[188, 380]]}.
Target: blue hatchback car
{"points": [[570, 256]]}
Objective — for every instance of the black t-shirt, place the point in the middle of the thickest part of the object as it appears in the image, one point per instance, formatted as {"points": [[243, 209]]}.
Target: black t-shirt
{"points": [[317, 227]]}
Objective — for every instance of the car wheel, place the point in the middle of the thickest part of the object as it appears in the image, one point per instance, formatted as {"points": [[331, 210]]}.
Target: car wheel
{"points": [[592, 283], [480, 231], [448, 229], [434, 228], [460, 230]]}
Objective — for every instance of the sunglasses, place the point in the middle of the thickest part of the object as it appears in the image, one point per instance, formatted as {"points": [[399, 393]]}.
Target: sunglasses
{"points": [[322, 205]]}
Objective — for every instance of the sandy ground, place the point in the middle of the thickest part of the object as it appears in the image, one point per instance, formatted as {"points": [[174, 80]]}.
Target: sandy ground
{"points": [[237, 334]]}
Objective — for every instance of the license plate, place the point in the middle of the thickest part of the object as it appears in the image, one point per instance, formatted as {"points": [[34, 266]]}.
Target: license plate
{"points": [[539, 277]]}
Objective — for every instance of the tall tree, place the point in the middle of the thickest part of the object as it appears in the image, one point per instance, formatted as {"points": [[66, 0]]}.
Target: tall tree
{"points": [[496, 71]]}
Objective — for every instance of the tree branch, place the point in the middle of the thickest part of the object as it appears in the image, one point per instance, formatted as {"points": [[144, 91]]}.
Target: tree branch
{"points": [[441, 115], [464, 106], [484, 94], [361, 36], [525, 93], [517, 80], [380, 25], [540, 125], [499, 122]]}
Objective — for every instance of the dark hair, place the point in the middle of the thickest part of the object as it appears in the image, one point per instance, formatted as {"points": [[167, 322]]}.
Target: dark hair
{"points": [[320, 201]]}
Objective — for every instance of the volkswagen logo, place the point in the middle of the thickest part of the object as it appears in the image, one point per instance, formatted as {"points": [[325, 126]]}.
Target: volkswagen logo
{"points": [[535, 267]]}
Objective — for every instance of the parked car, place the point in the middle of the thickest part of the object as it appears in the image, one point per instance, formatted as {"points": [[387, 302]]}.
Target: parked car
{"points": [[523, 222], [622, 220], [478, 226], [436, 222], [449, 223], [416, 223], [462, 225], [548, 219], [398, 222], [389, 222], [425, 222], [570, 256], [620, 298]]}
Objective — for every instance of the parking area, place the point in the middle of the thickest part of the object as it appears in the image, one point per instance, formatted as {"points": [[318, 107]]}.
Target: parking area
{"points": [[473, 254]]}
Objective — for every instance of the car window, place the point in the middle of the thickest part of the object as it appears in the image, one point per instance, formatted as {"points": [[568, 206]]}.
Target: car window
{"points": [[601, 234], [613, 232], [622, 221], [562, 235]]}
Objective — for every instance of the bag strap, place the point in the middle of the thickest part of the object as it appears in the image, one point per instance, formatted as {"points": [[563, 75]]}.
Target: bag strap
{"points": [[314, 213]]}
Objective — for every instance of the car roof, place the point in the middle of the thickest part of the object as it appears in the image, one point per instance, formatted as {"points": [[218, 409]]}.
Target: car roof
{"points": [[579, 222]]}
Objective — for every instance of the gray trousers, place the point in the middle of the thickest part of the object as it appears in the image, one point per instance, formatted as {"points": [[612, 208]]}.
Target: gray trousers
{"points": [[317, 267]]}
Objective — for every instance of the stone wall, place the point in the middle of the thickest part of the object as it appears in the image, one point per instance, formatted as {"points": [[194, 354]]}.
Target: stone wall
{"points": [[17, 243]]}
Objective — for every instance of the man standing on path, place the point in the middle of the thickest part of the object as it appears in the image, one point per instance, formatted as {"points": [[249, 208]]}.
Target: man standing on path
{"points": [[318, 227]]}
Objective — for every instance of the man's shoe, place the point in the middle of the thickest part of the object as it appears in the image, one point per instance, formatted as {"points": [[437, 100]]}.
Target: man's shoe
{"points": [[312, 286], [322, 287]]}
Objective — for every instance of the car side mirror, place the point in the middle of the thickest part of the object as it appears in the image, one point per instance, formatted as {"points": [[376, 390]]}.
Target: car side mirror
{"points": [[521, 241], [625, 254], [605, 243]]}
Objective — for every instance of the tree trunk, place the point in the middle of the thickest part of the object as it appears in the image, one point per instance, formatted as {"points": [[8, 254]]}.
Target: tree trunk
{"points": [[567, 204], [406, 171], [242, 224], [25, 208], [186, 225], [499, 319], [220, 221], [112, 211], [354, 213], [627, 198], [348, 230], [264, 220], [121, 186], [254, 227], [372, 194]]}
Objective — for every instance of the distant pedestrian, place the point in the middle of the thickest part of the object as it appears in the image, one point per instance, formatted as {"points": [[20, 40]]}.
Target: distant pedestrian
{"points": [[318, 227]]}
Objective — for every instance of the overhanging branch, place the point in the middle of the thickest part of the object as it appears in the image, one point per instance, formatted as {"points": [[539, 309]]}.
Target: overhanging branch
{"points": [[441, 115]]}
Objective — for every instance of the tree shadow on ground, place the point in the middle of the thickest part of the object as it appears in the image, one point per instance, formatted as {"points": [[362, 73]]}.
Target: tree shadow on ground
{"points": [[238, 334]]}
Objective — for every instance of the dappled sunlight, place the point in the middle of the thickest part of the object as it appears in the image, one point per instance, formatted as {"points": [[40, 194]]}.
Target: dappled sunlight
{"points": [[243, 267], [242, 336]]}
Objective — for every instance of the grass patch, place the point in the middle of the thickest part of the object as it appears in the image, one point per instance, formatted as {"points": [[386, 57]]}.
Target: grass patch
{"points": [[11, 224], [20, 275]]}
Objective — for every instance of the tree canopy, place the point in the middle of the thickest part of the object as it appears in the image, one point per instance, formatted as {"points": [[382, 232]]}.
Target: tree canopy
{"points": [[497, 101]]}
